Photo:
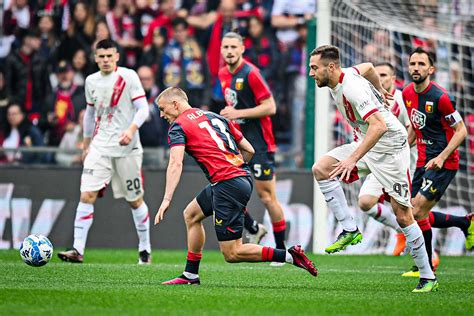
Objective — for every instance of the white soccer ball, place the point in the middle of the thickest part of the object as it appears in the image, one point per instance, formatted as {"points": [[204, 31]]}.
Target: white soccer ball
{"points": [[36, 250]]}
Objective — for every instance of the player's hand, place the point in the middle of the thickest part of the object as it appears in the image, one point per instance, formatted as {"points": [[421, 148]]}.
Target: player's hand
{"points": [[343, 168], [165, 204], [230, 113], [386, 96], [126, 137], [436, 163]]}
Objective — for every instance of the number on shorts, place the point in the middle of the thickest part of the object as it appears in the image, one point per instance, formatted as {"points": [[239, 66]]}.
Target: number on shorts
{"points": [[214, 136], [133, 184], [426, 184], [258, 169], [401, 189]]}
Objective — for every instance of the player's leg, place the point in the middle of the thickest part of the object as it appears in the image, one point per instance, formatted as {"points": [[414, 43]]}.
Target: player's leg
{"points": [[96, 175], [256, 230], [263, 167], [335, 197], [127, 182], [229, 200], [415, 243], [266, 190], [370, 196], [464, 223], [196, 211]]}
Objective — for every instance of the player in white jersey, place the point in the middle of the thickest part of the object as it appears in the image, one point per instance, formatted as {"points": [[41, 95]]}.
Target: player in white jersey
{"points": [[116, 108], [371, 193], [382, 149]]}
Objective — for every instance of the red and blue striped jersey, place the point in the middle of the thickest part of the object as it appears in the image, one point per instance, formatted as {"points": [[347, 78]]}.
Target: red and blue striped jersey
{"points": [[244, 89], [212, 141], [430, 113]]}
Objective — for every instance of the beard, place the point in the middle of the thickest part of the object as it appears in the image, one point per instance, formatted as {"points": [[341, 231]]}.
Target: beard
{"points": [[420, 79], [323, 82]]}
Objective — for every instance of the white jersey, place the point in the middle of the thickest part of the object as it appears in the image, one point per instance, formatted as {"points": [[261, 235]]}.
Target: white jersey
{"points": [[357, 100], [112, 96]]}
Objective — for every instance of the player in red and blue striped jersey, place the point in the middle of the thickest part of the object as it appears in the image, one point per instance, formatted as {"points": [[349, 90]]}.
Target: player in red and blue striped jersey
{"points": [[222, 153], [439, 130]]}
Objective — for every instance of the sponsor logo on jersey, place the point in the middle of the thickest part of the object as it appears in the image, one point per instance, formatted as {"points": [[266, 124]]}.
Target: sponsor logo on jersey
{"points": [[230, 97], [218, 222], [429, 107], [418, 119], [425, 141], [239, 84]]}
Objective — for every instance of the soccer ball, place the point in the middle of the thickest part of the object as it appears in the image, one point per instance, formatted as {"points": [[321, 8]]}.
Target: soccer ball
{"points": [[36, 250]]}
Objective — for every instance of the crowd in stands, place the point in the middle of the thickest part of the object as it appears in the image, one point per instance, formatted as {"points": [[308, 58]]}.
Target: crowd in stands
{"points": [[46, 52]]}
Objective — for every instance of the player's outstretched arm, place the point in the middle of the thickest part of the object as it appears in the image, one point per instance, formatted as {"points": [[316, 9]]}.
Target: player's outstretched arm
{"points": [[246, 149], [173, 174]]}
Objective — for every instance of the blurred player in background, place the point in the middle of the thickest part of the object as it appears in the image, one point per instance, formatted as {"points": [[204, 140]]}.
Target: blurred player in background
{"points": [[250, 103], [439, 130], [116, 108], [222, 152], [381, 149], [371, 195]]}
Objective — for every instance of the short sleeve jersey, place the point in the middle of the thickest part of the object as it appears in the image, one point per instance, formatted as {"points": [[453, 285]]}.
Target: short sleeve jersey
{"points": [[431, 115], [397, 107], [212, 141], [244, 89], [357, 100], [112, 97]]}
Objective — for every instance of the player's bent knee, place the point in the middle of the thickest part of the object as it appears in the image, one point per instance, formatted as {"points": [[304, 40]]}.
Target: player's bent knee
{"points": [[136, 204], [230, 256], [366, 203], [319, 171]]}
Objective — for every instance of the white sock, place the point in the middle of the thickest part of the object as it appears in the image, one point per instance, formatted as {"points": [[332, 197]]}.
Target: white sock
{"points": [[416, 244], [383, 214], [336, 200], [288, 257], [190, 275], [82, 223], [142, 224]]}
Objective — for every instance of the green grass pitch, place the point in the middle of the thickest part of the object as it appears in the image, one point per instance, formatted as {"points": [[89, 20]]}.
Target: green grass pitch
{"points": [[110, 282]]}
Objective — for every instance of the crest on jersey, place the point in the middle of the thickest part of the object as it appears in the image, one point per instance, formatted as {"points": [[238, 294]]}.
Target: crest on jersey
{"points": [[418, 119], [429, 107], [239, 84], [230, 97]]}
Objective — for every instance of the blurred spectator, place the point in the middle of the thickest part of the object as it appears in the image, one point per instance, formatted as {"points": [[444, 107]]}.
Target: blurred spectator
{"points": [[20, 132], [287, 14], [166, 14], [72, 140], [27, 77], [154, 132], [81, 66], [153, 56], [80, 31], [262, 51], [102, 7], [64, 104], [379, 49], [49, 40], [183, 64], [146, 11], [17, 18], [3, 99], [123, 30]]}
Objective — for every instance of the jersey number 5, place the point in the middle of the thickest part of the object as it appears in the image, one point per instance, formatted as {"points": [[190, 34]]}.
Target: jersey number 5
{"points": [[214, 136]]}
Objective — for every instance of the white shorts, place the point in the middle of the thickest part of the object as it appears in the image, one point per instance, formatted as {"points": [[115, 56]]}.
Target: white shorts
{"points": [[391, 170], [124, 173]]}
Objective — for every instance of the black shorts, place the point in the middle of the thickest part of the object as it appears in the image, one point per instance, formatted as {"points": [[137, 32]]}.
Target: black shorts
{"points": [[263, 166], [431, 183], [227, 200]]}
